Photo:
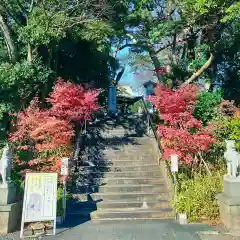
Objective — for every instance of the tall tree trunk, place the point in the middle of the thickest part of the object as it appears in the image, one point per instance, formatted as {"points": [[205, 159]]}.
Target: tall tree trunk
{"points": [[156, 64], [12, 49]]}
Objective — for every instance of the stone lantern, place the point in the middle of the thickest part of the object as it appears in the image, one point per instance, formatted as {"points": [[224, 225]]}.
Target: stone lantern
{"points": [[149, 88]]}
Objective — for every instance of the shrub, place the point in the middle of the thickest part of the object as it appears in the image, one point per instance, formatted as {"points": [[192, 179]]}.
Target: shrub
{"points": [[72, 102], [42, 136], [197, 196], [40, 140], [229, 129], [206, 106], [59, 200], [227, 108], [182, 133]]}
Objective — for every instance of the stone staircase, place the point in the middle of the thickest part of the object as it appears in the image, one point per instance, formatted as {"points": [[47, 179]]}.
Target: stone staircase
{"points": [[126, 182]]}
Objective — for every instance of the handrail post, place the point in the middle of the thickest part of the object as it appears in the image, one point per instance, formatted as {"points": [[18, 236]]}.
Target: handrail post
{"points": [[148, 123], [174, 169]]}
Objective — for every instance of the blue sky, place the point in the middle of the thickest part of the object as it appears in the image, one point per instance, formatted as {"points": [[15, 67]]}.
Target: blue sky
{"points": [[128, 76]]}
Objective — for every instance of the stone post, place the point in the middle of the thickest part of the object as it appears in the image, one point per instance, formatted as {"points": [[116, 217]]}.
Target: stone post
{"points": [[10, 210], [229, 199]]}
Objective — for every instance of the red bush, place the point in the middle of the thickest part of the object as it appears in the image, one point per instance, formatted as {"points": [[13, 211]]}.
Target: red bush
{"points": [[38, 134], [72, 102], [182, 133], [43, 136]]}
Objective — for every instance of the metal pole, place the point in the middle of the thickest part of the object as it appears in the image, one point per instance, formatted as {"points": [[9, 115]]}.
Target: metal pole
{"points": [[64, 199], [175, 189]]}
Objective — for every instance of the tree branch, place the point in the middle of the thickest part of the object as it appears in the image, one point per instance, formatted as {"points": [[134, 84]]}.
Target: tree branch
{"points": [[12, 49], [169, 44], [164, 47], [31, 6], [200, 71], [140, 44]]}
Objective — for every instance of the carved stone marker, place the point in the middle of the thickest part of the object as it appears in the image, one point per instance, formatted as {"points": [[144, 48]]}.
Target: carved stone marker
{"points": [[10, 210], [229, 199], [6, 165]]}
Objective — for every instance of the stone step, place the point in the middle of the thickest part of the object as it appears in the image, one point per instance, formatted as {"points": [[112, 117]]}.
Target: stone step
{"points": [[138, 180], [128, 151], [139, 196], [148, 158], [133, 156], [120, 168], [156, 173], [121, 188], [165, 213], [132, 188], [134, 147], [127, 162], [93, 205]]}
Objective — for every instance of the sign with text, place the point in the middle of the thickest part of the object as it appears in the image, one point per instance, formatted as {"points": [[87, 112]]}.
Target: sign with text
{"points": [[40, 198]]}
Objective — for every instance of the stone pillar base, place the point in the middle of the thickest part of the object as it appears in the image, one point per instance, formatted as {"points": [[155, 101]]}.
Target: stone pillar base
{"points": [[229, 204], [10, 218], [8, 194]]}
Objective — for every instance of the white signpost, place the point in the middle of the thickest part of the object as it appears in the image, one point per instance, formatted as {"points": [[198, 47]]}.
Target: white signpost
{"points": [[40, 199], [174, 163], [64, 173]]}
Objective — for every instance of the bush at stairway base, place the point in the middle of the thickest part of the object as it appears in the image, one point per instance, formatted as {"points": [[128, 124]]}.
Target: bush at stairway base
{"points": [[197, 196], [42, 136]]}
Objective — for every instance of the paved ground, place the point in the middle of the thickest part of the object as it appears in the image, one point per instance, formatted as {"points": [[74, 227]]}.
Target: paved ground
{"points": [[137, 230], [132, 230], [128, 230]]}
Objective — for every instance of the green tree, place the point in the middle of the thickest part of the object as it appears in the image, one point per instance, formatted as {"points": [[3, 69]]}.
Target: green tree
{"points": [[41, 40], [175, 30]]}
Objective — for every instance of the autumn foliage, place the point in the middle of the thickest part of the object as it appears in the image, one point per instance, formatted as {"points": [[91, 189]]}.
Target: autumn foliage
{"points": [[182, 133], [72, 102], [43, 136]]}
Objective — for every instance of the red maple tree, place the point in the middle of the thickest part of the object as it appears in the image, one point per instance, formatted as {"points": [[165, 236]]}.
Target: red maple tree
{"points": [[72, 102], [182, 133], [39, 134]]}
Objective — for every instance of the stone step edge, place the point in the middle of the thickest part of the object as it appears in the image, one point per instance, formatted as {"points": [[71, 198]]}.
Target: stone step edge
{"points": [[101, 180], [140, 218], [99, 209], [163, 218], [126, 159], [107, 169], [122, 202], [107, 185], [123, 210], [99, 220], [133, 178], [122, 166], [158, 170], [123, 193]]}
